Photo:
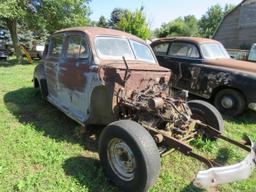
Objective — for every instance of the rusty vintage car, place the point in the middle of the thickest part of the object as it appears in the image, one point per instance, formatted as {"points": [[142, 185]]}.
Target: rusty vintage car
{"points": [[111, 78], [204, 68]]}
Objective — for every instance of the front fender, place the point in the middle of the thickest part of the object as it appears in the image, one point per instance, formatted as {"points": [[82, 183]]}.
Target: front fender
{"points": [[39, 72]]}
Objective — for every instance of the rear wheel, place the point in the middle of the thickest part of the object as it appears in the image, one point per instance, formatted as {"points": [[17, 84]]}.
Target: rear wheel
{"points": [[129, 156], [230, 102], [208, 114]]}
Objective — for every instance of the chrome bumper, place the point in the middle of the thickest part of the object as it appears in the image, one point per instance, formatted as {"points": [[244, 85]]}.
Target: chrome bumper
{"points": [[227, 174]]}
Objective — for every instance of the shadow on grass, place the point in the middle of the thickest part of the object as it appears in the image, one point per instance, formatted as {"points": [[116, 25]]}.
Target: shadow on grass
{"points": [[26, 104], [87, 171], [249, 117], [28, 107], [222, 156]]}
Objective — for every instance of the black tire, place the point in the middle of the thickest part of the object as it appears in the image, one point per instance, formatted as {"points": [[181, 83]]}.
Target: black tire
{"points": [[144, 152], [208, 114], [224, 97], [43, 88]]}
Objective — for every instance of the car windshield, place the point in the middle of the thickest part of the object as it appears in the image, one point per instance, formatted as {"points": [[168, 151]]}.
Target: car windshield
{"points": [[252, 55], [214, 51], [116, 48]]}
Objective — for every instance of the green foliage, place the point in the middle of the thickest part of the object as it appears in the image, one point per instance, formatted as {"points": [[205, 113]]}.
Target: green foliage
{"points": [[182, 26], [52, 16], [210, 21], [115, 16], [102, 22], [190, 26], [135, 23], [55, 15], [12, 9]]}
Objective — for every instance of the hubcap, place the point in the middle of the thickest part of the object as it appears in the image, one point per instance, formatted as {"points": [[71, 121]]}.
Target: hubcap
{"points": [[121, 159], [227, 102]]}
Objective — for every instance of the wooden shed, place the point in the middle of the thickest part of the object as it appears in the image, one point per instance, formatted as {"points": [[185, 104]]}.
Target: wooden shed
{"points": [[237, 30]]}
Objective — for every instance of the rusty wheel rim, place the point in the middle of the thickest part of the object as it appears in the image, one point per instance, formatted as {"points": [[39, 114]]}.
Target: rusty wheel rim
{"points": [[121, 159]]}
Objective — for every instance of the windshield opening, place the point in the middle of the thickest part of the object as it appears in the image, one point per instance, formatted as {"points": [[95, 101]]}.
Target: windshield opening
{"points": [[115, 48], [214, 51], [142, 52]]}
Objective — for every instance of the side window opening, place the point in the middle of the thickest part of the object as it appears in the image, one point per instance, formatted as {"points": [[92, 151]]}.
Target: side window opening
{"points": [[161, 49], [77, 47], [56, 46], [84, 51], [180, 49]]}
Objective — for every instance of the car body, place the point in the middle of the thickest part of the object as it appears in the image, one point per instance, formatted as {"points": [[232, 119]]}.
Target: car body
{"points": [[252, 53], [204, 68], [37, 51], [107, 77], [4, 53], [84, 87]]}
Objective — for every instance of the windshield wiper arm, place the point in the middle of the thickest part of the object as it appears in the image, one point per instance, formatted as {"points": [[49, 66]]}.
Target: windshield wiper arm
{"points": [[127, 70]]}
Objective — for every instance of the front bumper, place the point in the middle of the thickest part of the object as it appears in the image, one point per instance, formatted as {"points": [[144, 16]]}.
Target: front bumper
{"points": [[227, 174]]}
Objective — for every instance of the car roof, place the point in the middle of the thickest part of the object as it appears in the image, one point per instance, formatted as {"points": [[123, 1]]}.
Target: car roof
{"points": [[196, 40], [98, 31]]}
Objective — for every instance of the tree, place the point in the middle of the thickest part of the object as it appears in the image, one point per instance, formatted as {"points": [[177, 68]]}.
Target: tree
{"points": [[191, 25], [55, 15], [102, 22], [182, 26], [135, 23], [10, 12], [51, 16], [116, 15], [210, 21]]}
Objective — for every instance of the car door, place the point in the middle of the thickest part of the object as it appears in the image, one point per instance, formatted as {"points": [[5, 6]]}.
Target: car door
{"points": [[186, 58], [51, 62], [161, 51], [76, 77]]}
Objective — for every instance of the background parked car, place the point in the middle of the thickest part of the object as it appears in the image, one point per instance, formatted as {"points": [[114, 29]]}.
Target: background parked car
{"points": [[4, 53], [204, 67], [252, 53], [36, 52]]}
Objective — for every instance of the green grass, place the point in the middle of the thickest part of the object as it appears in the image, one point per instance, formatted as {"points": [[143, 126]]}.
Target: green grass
{"points": [[40, 149]]}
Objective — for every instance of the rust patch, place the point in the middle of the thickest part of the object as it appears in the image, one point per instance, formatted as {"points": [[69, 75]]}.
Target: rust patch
{"points": [[140, 78], [195, 71], [220, 78], [72, 75]]}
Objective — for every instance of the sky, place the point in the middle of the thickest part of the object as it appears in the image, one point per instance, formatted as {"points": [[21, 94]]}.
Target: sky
{"points": [[157, 11]]}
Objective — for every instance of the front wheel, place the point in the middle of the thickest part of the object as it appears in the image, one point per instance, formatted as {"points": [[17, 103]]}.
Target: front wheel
{"points": [[129, 156], [208, 114]]}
